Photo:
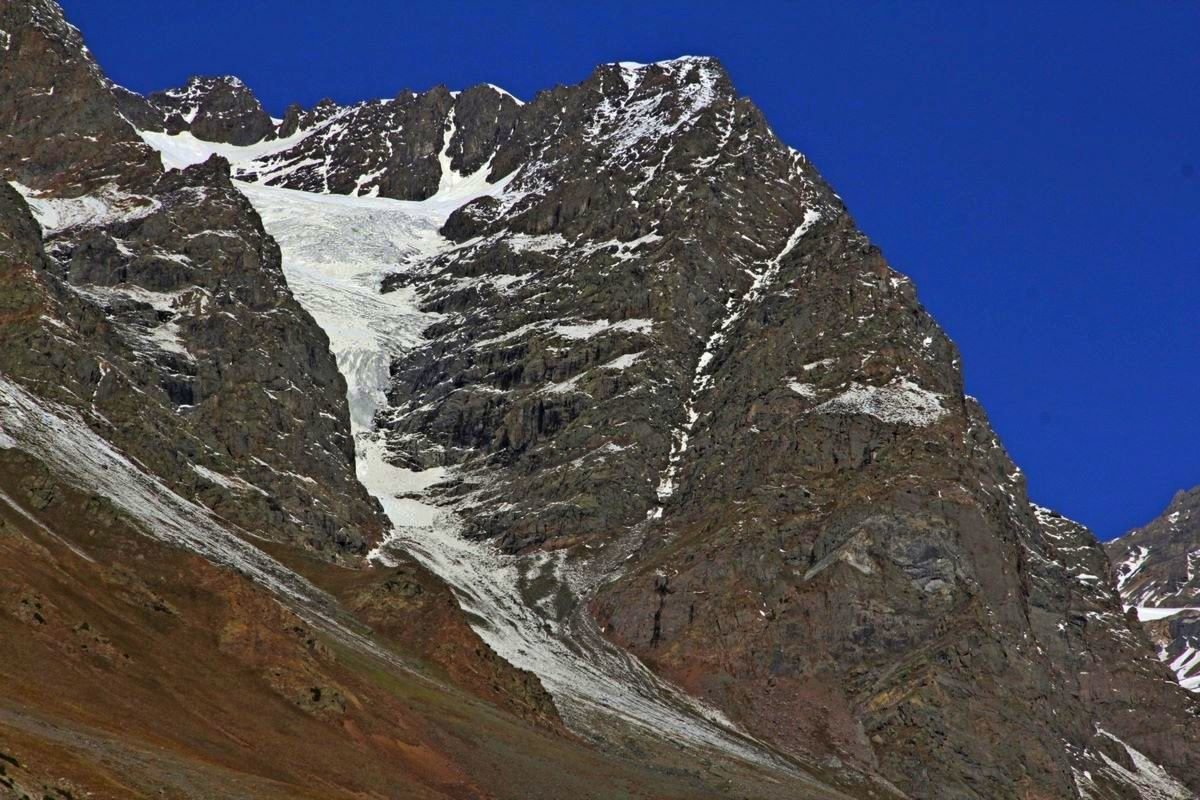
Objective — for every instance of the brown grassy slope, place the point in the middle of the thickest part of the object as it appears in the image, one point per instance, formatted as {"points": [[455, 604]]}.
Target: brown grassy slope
{"points": [[130, 669]]}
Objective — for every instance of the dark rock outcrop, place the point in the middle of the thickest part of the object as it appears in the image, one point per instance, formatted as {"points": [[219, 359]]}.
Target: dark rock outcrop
{"points": [[390, 148], [215, 109]]}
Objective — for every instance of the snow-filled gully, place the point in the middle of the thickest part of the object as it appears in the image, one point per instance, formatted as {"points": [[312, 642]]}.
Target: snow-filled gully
{"points": [[336, 250]]}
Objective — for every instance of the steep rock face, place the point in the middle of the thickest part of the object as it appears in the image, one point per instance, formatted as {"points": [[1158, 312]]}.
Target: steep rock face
{"points": [[578, 311], [1157, 569], [62, 130], [671, 358]]}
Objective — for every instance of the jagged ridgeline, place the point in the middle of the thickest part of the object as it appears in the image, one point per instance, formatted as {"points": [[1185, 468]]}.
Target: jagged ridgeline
{"points": [[449, 445]]}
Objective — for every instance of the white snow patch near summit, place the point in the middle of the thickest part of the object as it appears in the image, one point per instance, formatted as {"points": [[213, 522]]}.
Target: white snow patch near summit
{"points": [[899, 402], [181, 150]]}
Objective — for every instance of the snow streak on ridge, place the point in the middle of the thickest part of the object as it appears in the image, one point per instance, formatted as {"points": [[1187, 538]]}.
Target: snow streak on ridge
{"points": [[735, 309]]}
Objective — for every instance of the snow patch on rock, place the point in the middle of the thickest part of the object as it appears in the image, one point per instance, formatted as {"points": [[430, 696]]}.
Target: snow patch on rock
{"points": [[1149, 780], [802, 389], [735, 308], [900, 402], [231, 483], [587, 330], [103, 207]]}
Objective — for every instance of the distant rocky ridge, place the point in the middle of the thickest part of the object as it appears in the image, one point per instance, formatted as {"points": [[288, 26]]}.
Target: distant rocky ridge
{"points": [[669, 377], [217, 109], [1157, 569]]}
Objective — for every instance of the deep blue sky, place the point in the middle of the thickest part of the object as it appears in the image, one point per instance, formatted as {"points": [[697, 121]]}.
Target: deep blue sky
{"points": [[1035, 167]]}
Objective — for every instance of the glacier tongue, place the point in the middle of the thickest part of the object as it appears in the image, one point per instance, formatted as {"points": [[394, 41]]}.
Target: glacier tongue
{"points": [[336, 250]]}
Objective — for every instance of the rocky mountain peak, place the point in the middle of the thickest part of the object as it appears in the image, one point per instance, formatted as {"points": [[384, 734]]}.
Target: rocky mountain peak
{"points": [[1157, 569], [616, 366], [216, 109], [1154, 563], [1181, 511], [73, 140]]}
